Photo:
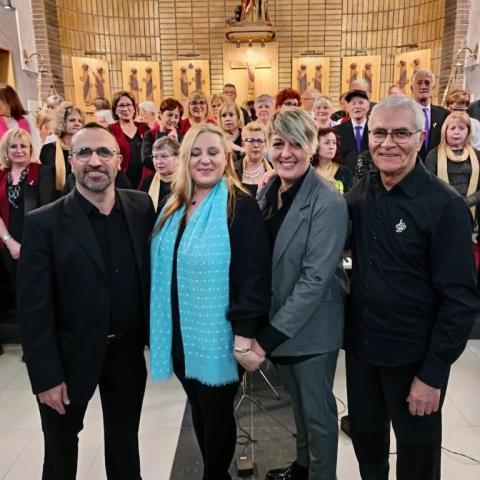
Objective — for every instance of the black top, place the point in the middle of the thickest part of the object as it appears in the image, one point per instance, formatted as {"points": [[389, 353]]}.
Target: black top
{"points": [[135, 166], [113, 237], [48, 153], [147, 144], [345, 176], [270, 338], [165, 189], [250, 274], [414, 295]]}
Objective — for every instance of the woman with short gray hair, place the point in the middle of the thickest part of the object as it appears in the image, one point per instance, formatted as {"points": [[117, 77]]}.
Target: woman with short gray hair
{"points": [[306, 220]]}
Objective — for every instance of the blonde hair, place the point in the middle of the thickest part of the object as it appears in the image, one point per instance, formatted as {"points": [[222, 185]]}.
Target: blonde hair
{"points": [[458, 96], [196, 95], [253, 127], [61, 114], [7, 139], [296, 126], [42, 117], [228, 107], [322, 100], [453, 117], [182, 185]]}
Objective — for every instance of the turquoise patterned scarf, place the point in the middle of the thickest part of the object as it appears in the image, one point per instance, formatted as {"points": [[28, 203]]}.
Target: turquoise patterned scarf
{"points": [[203, 265]]}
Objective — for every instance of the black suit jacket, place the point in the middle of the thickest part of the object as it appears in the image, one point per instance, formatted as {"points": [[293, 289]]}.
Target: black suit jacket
{"points": [[63, 295], [474, 109], [347, 138], [437, 117]]}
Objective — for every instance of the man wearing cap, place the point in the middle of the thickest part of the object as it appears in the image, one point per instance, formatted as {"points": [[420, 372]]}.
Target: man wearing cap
{"points": [[354, 133], [423, 83]]}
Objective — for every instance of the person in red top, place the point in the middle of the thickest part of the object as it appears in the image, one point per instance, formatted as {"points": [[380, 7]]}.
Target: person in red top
{"points": [[129, 135], [25, 184], [198, 111]]}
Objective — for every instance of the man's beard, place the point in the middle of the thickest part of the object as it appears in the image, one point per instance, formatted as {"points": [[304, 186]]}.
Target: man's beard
{"points": [[98, 185]]}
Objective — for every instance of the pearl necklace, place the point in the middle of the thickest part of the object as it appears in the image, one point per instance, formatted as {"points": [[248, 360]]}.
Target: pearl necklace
{"points": [[255, 172]]}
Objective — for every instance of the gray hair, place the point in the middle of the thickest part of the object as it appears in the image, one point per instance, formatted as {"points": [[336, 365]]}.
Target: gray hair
{"points": [[264, 98], [400, 102], [168, 143], [322, 100], [361, 83], [294, 125], [423, 72], [148, 106]]}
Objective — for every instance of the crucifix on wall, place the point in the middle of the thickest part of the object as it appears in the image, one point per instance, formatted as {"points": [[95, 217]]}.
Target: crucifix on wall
{"points": [[250, 65]]}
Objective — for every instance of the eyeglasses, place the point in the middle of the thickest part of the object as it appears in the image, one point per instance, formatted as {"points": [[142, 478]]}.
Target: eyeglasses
{"points": [[458, 109], [253, 141], [400, 135], [200, 103], [83, 154], [124, 105]]}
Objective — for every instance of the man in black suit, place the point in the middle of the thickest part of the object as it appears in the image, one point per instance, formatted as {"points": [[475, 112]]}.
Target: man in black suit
{"points": [[83, 303], [423, 83], [354, 133], [474, 109]]}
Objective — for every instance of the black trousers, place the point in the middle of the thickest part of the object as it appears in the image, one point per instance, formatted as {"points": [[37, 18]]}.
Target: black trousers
{"points": [[213, 421], [377, 396], [122, 386]]}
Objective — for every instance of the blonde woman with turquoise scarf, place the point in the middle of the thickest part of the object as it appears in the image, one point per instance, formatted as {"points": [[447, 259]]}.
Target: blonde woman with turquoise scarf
{"points": [[210, 294]]}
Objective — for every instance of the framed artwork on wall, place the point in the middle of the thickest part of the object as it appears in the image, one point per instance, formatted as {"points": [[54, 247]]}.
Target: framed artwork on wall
{"points": [[366, 67], [252, 69], [90, 80], [142, 80], [190, 75], [406, 64], [311, 72]]}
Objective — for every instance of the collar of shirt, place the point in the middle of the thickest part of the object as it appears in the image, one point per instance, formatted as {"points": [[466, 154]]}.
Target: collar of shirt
{"points": [[89, 208], [410, 185], [287, 195], [355, 124]]}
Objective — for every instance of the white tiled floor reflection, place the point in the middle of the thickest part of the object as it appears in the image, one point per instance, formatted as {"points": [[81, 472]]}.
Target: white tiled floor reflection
{"points": [[21, 447]]}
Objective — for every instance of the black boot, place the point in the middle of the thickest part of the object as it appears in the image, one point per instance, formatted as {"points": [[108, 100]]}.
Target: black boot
{"points": [[293, 472]]}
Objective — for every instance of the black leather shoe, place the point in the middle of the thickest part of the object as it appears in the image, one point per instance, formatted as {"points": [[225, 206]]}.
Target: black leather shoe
{"points": [[293, 472]]}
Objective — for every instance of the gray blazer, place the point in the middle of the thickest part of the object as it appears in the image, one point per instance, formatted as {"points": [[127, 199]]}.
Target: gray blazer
{"points": [[309, 284]]}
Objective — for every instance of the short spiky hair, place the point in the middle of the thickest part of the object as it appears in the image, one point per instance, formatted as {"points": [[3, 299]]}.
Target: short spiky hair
{"points": [[296, 126]]}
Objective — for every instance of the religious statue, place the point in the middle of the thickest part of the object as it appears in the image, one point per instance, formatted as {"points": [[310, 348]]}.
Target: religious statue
{"points": [[416, 67], [353, 74], [368, 75], [251, 82], [149, 86], [254, 11], [86, 84], [402, 79], [99, 76], [251, 23], [184, 81], [198, 79], [302, 79], [133, 84], [317, 80]]}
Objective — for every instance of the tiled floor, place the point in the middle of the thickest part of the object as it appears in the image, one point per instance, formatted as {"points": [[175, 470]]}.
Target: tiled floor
{"points": [[21, 439]]}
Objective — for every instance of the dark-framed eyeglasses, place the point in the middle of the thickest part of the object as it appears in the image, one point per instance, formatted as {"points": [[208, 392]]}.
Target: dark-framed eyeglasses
{"points": [[124, 105], [200, 103], [83, 154], [399, 135], [255, 141]]}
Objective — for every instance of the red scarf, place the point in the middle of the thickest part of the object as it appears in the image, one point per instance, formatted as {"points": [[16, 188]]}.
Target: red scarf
{"points": [[22, 123], [32, 179], [125, 149]]}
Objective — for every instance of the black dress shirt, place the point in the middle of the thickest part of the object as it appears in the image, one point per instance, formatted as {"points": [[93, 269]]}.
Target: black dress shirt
{"points": [[115, 244], [414, 294], [134, 171]]}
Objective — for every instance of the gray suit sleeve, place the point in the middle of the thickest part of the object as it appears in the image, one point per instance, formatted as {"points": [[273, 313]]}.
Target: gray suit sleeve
{"points": [[326, 239]]}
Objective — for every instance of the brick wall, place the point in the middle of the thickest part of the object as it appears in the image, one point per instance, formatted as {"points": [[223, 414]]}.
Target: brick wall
{"points": [[166, 30]]}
